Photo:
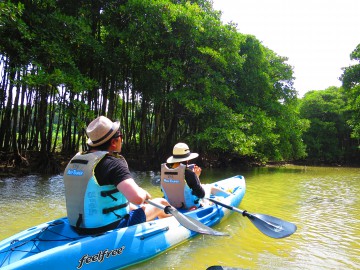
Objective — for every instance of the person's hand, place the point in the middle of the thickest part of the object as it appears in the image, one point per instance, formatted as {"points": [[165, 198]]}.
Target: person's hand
{"points": [[147, 195], [197, 170]]}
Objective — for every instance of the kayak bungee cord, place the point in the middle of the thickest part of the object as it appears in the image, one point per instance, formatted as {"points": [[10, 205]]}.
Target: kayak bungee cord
{"points": [[16, 244]]}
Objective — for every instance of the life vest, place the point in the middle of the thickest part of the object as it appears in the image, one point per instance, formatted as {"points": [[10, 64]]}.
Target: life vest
{"points": [[89, 205], [176, 190]]}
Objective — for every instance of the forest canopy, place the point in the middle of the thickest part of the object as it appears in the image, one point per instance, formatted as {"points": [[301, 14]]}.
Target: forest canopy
{"points": [[169, 70]]}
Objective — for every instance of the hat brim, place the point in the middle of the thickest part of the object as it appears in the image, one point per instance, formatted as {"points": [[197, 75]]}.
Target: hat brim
{"points": [[175, 160], [115, 127]]}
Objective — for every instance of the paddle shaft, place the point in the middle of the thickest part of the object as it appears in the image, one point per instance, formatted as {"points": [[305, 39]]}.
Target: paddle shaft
{"points": [[167, 209], [155, 204], [244, 213], [188, 222]]}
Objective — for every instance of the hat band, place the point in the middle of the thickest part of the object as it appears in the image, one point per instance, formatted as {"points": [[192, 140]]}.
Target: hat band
{"points": [[103, 137], [182, 156]]}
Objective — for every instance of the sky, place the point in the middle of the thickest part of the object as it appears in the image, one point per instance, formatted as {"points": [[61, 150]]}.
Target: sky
{"points": [[317, 36]]}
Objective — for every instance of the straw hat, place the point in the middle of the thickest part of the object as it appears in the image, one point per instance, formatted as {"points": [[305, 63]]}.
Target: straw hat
{"points": [[181, 152], [101, 130]]}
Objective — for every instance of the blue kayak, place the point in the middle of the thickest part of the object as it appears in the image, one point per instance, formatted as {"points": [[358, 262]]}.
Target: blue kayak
{"points": [[55, 245]]}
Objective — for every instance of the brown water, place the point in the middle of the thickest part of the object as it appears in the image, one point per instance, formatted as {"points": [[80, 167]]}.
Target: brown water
{"points": [[323, 202]]}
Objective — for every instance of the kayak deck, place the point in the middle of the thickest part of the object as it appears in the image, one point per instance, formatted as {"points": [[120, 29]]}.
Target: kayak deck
{"points": [[55, 245]]}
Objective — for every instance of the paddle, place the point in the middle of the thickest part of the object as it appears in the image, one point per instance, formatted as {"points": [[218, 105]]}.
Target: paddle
{"points": [[219, 267], [268, 225], [188, 222]]}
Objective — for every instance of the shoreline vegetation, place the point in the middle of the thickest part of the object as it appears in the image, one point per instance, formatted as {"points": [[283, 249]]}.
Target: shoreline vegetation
{"points": [[179, 75], [12, 165]]}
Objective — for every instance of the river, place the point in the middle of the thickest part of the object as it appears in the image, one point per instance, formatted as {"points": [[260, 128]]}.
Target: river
{"points": [[323, 202]]}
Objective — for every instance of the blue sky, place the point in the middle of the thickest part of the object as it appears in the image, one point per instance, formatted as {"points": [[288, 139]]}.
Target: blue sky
{"points": [[316, 35]]}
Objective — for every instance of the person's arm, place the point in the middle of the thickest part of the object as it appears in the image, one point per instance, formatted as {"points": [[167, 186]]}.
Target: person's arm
{"points": [[194, 183], [132, 191]]}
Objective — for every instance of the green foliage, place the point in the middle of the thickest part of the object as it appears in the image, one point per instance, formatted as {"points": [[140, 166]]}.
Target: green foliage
{"points": [[169, 70], [351, 83], [328, 137], [15, 35]]}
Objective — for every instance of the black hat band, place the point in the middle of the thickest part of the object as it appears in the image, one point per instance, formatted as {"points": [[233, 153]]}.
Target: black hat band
{"points": [[182, 156], [103, 137]]}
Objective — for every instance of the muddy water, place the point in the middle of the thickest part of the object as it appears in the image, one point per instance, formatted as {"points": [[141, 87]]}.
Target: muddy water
{"points": [[323, 202]]}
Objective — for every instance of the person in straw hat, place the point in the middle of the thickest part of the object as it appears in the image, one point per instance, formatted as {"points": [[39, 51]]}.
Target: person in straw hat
{"points": [[100, 192], [180, 181]]}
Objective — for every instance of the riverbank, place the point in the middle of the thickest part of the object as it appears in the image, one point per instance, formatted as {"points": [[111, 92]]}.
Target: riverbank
{"points": [[37, 163], [32, 163]]}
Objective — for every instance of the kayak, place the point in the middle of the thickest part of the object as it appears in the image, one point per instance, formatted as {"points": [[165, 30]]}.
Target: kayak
{"points": [[55, 245]]}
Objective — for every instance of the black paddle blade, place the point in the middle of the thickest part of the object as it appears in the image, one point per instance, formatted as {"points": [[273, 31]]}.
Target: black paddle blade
{"points": [[219, 267], [193, 224], [272, 226]]}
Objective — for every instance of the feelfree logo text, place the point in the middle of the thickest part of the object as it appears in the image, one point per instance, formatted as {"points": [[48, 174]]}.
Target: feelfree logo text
{"points": [[100, 257]]}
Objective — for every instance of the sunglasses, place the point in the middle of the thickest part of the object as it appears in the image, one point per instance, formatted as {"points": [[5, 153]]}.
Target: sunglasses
{"points": [[117, 135]]}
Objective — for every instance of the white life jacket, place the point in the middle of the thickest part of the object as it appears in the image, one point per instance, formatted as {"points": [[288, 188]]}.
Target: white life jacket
{"points": [[88, 204], [176, 190]]}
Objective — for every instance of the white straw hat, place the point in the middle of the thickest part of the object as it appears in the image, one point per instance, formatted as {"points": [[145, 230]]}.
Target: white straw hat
{"points": [[181, 152], [101, 130]]}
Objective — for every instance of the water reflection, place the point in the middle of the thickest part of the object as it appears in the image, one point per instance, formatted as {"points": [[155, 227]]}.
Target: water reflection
{"points": [[330, 214], [30, 200]]}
